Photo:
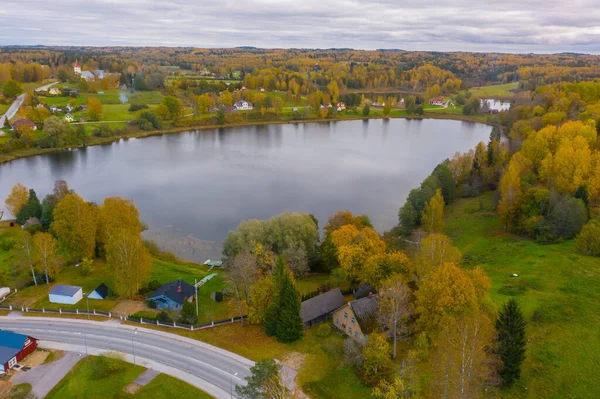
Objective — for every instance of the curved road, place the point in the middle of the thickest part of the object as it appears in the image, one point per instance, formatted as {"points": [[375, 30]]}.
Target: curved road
{"points": [[216, 370]]}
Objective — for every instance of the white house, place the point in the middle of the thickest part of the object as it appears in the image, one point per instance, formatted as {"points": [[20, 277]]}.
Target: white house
{"points": [[88, 76], [65, 294], [243, 106], [54, 91], [69, 108]]}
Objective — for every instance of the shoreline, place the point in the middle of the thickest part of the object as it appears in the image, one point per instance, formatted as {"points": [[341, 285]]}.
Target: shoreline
{"points": [[94, 141]]}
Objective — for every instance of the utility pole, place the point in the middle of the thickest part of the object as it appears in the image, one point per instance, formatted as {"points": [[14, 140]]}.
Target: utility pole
{"points": [[196, 298], [88, 304]]}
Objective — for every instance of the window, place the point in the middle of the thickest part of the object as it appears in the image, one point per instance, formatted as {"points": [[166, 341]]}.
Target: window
{"points": [[355, 335], [337, 320], [350, 330], [353, 320], [346, 314]]}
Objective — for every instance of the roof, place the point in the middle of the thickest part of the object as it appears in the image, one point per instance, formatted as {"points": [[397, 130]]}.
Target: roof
{"points": [[363, 291], [366, 311], [102, 290], [87, 74], [32, 220], [177, 291], [23, 121], [64, 290], [77, 64], [10, 344], [320, 305]]}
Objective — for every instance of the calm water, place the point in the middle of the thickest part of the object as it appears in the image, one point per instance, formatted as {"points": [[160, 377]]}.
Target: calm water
{"points": [[193, 187]]}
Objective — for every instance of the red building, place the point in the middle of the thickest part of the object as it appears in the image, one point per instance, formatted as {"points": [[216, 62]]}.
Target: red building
{"points": [[14, 348]]}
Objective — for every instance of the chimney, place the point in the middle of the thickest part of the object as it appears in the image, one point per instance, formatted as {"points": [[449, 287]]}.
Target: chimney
{"points": [[179, 288]]}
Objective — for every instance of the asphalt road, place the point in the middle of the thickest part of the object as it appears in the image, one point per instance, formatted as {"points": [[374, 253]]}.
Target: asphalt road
{"points": [[212, 365]]}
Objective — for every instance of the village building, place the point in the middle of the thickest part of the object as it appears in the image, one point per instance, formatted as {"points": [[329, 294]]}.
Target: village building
{"points": [[243, 106], [14, 348], [358, 318], [77, 68], [437, 101], [171, 296], [319, 308], [22, 122], [69, 118], [364, 290], [341, 106], [65, 294], [54, 91], [31, 221], [88, 76]]}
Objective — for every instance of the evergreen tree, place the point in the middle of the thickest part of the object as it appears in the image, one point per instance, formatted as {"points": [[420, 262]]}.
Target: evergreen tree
{"points": [[511, 342], [32, 208], [188, 312], [289, 327], [272, 312], [47, 208]]}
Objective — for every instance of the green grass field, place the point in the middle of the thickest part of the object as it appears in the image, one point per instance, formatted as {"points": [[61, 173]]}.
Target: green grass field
{"points": [[112, 96], [80, 383], [495, 91], [557, 289]]}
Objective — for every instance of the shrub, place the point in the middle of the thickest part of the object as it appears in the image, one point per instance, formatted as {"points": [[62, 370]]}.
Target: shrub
{"points": [[151, 304], [102, 131], [7, 244], [164, 317], [137, 107], [106, 365], [324, 330]]}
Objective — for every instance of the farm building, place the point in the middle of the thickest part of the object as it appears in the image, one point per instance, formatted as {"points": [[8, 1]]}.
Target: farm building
{"points": [[357, 319], [171, 296], [101, 292], [66, 294], [14, 348], [317, 309]]}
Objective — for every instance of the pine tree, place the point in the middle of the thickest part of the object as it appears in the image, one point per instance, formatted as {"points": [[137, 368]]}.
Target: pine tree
{"points": [[511, 341], [272, 312], [289, 327]]}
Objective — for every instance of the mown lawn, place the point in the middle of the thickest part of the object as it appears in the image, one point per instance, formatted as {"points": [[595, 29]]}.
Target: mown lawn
{"points": [[80, 383], [502, 91], [557, 289], [111, 96]]}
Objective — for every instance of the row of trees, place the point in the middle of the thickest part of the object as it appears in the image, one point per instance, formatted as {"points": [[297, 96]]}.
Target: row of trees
{"points": [[72, 230]]}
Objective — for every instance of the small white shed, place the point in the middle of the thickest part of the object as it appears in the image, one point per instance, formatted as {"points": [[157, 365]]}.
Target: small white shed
{"points": [[4, 291], [66, 294]]}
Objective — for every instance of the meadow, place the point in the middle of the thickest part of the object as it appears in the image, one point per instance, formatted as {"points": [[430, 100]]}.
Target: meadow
{"points": [[557, 289]]}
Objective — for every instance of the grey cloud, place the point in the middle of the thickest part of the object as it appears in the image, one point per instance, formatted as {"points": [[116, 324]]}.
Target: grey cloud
{"points": [[442, 25]]}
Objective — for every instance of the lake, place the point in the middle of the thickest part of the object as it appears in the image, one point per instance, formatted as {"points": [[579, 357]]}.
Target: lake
{"points": [[193, 187]]}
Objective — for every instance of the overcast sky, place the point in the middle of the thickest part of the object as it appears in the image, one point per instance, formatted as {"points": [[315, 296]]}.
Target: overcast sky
{"points": [[444, 25]]}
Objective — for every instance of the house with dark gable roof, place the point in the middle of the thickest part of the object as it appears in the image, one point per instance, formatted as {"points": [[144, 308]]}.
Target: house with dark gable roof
{"points": [[358, 318], [171, 296], [317, 309], [364, 290]]}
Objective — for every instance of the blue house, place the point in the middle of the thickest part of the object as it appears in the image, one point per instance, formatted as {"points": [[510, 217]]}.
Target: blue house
{"points": [[101, 292], [171, 296]]}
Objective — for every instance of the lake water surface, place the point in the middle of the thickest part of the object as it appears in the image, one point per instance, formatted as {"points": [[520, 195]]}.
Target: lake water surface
{"points": [[193, 187]]}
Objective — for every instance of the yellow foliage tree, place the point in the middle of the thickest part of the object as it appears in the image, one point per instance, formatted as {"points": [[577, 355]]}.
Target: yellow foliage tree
{"points": [[432, 217], [448, 291], [94, 109], [261, 293], [75, 227], [355, 246], [129, 261], [46, 250], [117, 214], [510, 191], [570, 167], [19, 195], [434, 251], [381, 266]]}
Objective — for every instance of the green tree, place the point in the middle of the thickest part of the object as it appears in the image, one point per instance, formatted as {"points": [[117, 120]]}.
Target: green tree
{"points": [[366, 110], [377, 361], [433, 215], [273, 309], [289, 327], [188, 313], [12, 88], [510, 327], [263, 382], [221, 116], [46, 249], [387, 108], [171, 107], [32, 208], [59, 133]]}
